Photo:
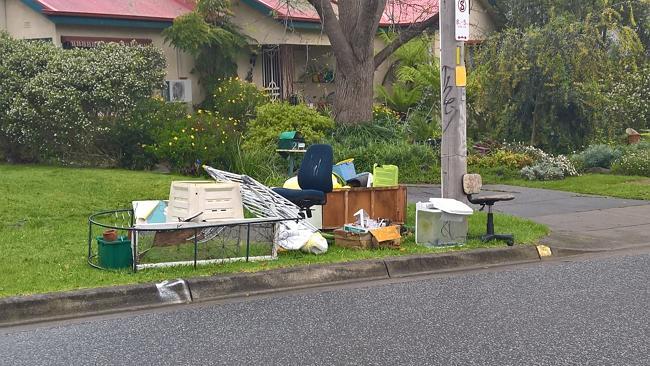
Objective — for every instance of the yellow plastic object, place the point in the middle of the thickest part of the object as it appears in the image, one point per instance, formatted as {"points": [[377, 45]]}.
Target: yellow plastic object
{"points": [[350, 160], [384, 175], [461, 76], [292, 183]]}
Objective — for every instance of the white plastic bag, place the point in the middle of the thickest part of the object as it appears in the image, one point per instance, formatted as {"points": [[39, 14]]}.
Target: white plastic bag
{"points": [[292, 235], [316, 244]]}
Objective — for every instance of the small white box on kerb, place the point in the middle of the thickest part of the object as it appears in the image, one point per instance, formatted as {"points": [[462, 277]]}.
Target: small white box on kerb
{"points": [[441, 221], [204, 201]]}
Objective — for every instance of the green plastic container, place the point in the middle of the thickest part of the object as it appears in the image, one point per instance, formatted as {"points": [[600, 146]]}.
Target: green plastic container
{"points": [[384, 175], [115, 254]]}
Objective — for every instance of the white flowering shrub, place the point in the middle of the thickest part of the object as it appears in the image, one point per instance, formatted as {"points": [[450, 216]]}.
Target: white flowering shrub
{"points": [[633, 163], [629, 101], [55, 103], [545, 166]]}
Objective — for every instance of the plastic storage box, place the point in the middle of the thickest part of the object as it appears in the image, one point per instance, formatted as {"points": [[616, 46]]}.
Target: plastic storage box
{"points": [[384, 175], [204, 201], [441, 222], [115, 254]]}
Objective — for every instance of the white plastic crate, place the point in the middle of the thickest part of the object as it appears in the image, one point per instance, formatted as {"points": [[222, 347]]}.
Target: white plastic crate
{"points": [[208, 199], [435, 227]]}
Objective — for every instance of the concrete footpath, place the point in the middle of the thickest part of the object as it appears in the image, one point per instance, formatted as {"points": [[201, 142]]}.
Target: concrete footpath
{"points": [[577, 221]]}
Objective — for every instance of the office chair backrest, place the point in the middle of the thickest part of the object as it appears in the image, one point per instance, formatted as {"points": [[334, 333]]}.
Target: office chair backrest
{"points": [[472, 184], [316, 168]]}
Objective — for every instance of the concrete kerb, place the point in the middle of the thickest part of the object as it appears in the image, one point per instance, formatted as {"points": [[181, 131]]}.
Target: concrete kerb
{"points": [[415, 265], [26, 309], [216, 287], [61, 305]]}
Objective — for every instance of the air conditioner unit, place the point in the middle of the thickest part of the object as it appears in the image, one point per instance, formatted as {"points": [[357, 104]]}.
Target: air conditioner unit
{"points": [[178, 91]]}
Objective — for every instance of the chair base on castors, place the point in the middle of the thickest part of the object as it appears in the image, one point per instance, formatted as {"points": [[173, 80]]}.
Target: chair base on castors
{"points": [[490, 235], [510, 239]]}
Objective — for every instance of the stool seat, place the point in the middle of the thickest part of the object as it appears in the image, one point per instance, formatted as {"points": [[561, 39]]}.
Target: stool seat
{"points": [[490, 199]]}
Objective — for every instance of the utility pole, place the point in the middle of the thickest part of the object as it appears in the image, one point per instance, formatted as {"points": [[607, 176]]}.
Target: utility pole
{"points": [[454, 30]]}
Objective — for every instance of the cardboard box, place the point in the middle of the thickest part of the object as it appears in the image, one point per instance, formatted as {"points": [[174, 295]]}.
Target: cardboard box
{"points": [[385, 237]]}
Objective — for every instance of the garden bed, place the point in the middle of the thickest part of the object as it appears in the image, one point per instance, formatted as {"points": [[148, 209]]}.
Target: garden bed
{"points": [[44, 226]]}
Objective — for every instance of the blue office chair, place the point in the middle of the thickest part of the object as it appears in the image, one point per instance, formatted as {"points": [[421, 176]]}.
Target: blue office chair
{"points": [[314, 177]]}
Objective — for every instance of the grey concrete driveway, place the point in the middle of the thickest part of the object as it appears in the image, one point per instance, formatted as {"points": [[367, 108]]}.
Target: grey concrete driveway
{"points": [[578, 221]]}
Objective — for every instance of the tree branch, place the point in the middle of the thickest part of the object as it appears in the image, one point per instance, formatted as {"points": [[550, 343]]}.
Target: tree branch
{"points": [[404, 37], [368, 25], [332, 26]]}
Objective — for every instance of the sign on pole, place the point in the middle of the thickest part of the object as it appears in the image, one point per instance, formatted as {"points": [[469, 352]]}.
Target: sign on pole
{"points": [[462, 20]]}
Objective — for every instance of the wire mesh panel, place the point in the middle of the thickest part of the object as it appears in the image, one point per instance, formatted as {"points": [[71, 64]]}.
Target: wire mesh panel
{"points": [[181, 243], [219, 244], [120, 222]]}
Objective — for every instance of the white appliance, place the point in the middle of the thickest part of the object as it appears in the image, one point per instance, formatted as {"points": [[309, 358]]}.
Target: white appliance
{"points": [[178, 91]]}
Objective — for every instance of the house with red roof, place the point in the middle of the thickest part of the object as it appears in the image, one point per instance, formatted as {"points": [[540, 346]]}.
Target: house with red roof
{"points": [[288, 52]]}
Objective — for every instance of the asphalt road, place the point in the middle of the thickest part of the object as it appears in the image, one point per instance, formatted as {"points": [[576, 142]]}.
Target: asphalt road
{"points": [[583, 312]]}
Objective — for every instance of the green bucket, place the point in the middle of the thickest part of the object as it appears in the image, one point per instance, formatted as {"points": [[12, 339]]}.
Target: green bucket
{"points": [[115, 254]]}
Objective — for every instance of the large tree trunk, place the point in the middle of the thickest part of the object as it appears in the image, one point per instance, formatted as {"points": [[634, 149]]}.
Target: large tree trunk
{"points": [[353, 95], [351, 31]]}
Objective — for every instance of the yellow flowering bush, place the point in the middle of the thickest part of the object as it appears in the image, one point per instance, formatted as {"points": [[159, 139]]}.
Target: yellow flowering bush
{"points": [[235, 98], [500, 158], [195, 139]]}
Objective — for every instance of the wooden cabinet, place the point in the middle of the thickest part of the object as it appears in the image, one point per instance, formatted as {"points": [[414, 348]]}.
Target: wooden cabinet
{"points": [[379, 202]]}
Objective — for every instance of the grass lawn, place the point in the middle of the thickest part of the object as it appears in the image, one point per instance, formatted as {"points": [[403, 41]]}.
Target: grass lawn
{"points": [[599, 184], [43, 226]]}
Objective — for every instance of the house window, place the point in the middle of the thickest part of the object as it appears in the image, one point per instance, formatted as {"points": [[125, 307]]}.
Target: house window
{"points": [[70, 42], [46, 40], [271, 71]]}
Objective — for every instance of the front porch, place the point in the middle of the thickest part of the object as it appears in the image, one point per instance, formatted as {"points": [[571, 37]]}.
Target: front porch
{"points": [[296, 73]]}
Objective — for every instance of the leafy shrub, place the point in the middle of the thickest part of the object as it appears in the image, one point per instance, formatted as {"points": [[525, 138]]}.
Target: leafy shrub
{"points": [[55, 102], [422, 125], [202, 138], [633, 163], [634, 148], [385, 143], [544, 170], [545, 166], [500, 158], [274, 118], [128, 139], [381, 113], [237, 99], [629, 101], [417, 163], [263, 164], [401, 97], [598, 156], [388, 130]]}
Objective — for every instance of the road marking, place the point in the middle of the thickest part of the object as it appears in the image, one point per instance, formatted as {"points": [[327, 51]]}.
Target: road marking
{"points": [[544, 251]]}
